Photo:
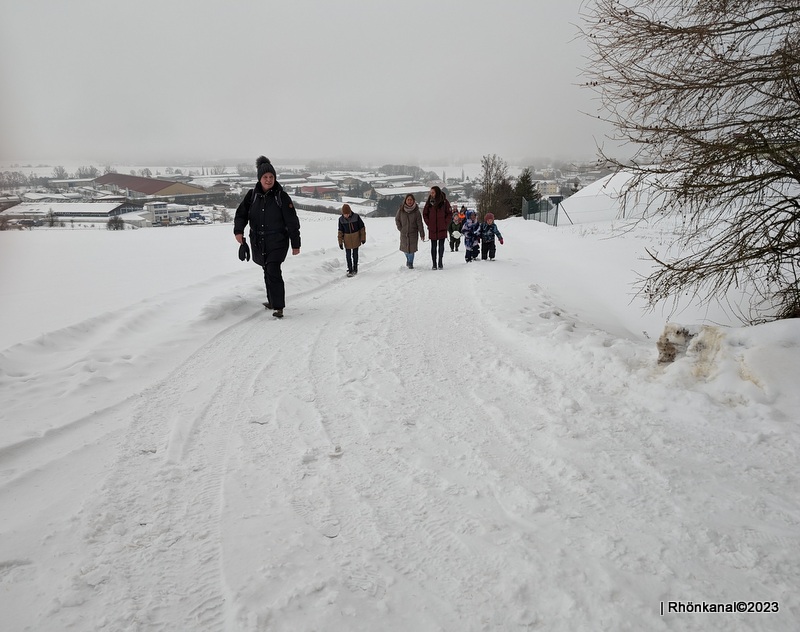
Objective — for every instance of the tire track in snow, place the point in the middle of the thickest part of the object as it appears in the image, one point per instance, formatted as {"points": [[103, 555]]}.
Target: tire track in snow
{"points": [[393, 527], [409, 517], [155, 530]]}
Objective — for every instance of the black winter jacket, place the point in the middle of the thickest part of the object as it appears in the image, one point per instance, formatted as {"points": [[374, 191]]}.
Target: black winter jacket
{"points": [[273, 223]]}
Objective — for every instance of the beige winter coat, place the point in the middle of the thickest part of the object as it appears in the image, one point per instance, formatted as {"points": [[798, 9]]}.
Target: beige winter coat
{"points": [[411, 227]]}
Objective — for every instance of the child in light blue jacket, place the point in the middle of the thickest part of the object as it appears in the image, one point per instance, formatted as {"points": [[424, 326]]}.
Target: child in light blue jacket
{"points": [[471, 230]]}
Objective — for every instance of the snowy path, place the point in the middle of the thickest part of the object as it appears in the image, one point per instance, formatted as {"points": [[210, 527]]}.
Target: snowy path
{"points": [[409, 450]]}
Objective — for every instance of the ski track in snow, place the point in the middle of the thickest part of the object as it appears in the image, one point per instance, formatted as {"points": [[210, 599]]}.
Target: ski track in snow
{"points": [[315, 463]]}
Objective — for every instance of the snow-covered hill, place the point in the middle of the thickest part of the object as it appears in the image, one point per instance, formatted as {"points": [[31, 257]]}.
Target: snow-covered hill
{"points": [[492, 446]]}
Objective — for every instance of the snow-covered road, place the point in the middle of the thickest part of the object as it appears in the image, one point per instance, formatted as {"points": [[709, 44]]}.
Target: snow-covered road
{"points": [[465, 449]]}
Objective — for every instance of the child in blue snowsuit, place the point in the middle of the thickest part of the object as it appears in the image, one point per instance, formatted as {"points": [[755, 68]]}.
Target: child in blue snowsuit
{"points": [[471, 230], [489, 231]]}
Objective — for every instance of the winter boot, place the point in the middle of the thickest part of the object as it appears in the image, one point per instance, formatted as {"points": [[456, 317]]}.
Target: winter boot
{"points": [[278, 313]]}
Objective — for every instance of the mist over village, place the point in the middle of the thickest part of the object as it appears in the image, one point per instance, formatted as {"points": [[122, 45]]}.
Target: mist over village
{"points": [[138, 197]]}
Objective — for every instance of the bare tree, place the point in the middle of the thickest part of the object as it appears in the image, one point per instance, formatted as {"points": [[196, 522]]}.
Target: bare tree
{"points": [[87, 172], [245, 169], [115, 223], [708, 94], [494, 185]]}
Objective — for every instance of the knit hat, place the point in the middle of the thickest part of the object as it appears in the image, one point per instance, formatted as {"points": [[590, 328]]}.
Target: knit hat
{"points": [[346, 210], [489, 216], [263, 165]]}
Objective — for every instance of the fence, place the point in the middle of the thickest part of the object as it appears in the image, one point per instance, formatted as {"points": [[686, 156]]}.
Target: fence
{"points": [[542, 210]]}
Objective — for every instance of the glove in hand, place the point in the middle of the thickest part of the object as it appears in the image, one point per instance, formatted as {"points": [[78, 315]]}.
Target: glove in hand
{"points": [[341, 246], [501, 242], [244, 251]]}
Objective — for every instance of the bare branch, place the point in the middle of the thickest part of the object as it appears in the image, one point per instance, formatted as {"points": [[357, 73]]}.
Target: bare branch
{"points": [[707, 94]]}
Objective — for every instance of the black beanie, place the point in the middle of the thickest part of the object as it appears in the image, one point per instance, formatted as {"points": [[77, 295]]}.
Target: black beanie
{"points": [[263, 165]]}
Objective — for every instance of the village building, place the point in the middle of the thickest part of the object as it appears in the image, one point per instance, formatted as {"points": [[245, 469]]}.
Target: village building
{"points": [[138, 187], [41, 213]]}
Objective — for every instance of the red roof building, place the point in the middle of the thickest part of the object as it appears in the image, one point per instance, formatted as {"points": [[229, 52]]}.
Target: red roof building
{"points": [[136, 186]]}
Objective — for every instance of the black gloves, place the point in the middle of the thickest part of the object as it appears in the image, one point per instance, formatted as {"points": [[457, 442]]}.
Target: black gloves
{"points": [[244, 251], [341, 246]]}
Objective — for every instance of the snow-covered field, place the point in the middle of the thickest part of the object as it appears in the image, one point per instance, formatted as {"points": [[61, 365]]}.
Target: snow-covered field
{"points": [[488, 447]]}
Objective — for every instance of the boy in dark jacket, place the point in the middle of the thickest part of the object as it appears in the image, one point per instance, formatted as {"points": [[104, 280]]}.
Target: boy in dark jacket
{"points": [[488, 232], [352, 234], [454, 231]]}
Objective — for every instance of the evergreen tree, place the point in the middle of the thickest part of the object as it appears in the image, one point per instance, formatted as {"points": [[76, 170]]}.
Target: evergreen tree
{"points": [[524, 188]]}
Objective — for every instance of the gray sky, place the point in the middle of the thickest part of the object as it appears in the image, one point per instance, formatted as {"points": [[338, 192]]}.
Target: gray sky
{"points": [[109, 81]]}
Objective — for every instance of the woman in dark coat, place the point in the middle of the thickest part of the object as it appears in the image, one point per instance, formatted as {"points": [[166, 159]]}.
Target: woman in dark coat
{"points": [[274, 225], [437, 215]]}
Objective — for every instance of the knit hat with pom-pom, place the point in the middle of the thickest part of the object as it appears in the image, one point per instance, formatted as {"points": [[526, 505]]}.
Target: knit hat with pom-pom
{"points": [[263, 165]]}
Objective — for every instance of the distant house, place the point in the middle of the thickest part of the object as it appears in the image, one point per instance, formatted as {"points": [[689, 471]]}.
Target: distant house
{"points": [[35, 196], [417, 191], [38, 212], [331, 206], [71, 183], [163, 214], [138, 187], [311, 190], [219, 187], [548, 187]]}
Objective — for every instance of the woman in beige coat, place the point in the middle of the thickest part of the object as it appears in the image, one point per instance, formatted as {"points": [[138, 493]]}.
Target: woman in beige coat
{"points": [[409, 222]]}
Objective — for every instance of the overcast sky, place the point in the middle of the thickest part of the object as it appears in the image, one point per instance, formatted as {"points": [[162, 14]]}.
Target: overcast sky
{"points": [[108, 81]]}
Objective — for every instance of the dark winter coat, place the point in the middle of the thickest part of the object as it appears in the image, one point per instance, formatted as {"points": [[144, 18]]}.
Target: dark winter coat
{"points": [[411, 227], [352, 232], [437, 217], [453, 227], [273, 223], [489, 232]]}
